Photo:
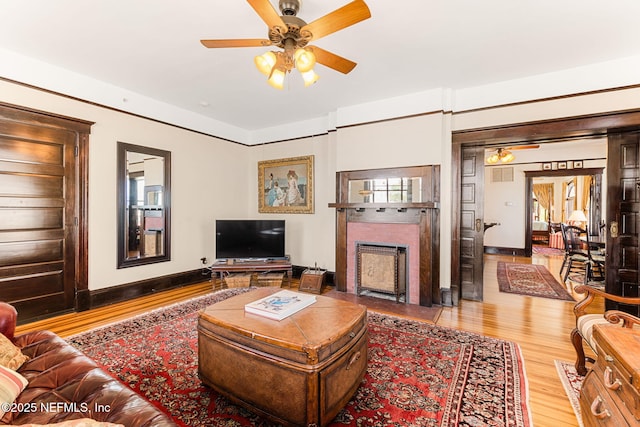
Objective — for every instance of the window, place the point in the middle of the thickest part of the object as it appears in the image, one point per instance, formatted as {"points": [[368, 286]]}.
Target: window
{"points": [[388, 190], [570, 199]]}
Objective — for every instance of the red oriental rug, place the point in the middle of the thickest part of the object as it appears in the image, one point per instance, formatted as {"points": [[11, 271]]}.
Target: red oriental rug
{"points": [[419, 374], [530, 279]]}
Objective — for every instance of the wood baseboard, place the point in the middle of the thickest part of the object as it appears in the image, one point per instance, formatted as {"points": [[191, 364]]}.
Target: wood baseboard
{"points": [[504, 251], [102, 297], [120, 293]]}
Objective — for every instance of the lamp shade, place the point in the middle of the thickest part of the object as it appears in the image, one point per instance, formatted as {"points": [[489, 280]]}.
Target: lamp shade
{"points": [[265, 62], [507, 156], [305, 60], [309, 77], [494, 158], [577, 216], [277, 79]]}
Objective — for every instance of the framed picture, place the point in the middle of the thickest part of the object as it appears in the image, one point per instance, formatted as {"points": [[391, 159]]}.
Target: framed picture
{"points": [[562, 165], [546, 166], [577, 164], [286, 185]]}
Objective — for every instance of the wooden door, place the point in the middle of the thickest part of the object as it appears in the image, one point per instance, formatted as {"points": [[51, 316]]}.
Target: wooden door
{"points": [[472, 223], [39, 204], [623, 207]]}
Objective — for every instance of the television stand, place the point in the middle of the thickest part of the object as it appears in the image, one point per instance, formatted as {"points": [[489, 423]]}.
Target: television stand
{"points": [[253, 266]]}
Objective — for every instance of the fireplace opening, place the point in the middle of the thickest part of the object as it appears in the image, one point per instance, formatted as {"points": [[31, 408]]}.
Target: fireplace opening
{"points": [[381, 271]]}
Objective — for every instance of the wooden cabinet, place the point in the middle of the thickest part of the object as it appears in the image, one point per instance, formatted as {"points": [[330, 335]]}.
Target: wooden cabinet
{"points": [[312, 280], [223, 269], [610, 394]]}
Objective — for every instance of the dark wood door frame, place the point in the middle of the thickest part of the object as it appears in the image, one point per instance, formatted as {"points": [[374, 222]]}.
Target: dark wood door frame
{"points": [[82, 129], [569, 128]]}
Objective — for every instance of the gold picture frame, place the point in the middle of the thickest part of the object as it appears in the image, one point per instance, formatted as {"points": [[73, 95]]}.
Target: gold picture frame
{"points": [[286, 185]]}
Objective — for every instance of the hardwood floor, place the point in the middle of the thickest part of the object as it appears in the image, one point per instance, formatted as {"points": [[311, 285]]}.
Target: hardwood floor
{"points": [[540, 326]]}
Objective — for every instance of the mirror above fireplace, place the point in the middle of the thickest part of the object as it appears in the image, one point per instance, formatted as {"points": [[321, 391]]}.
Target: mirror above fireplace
{"points": [[386, 190]]}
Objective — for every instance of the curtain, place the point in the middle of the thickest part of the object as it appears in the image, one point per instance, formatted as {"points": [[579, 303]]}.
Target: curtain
{"points": [[564, 202], [544, 194], [586, 191]]}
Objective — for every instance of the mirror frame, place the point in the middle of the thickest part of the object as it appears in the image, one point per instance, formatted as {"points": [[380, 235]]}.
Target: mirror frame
{"points": [[123, 260]]}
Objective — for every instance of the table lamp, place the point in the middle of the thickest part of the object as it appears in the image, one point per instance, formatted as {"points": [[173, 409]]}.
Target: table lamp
{"points": [[578, 218]]}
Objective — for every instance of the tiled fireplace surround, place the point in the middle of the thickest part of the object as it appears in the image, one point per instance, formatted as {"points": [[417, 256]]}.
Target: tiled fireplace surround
{"points": [[404, 235]]}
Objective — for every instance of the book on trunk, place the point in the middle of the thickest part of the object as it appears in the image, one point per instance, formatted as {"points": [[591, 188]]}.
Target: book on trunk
{"points": [[280, 305]]}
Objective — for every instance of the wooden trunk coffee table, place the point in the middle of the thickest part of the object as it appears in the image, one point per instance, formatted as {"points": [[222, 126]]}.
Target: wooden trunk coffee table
{"points": [[299, 371]]}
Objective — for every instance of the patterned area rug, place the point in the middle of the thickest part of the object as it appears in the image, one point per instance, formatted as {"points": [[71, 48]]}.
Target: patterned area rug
{"points": [[419, 374], [571, 382], [546, 251], [530, 279]]}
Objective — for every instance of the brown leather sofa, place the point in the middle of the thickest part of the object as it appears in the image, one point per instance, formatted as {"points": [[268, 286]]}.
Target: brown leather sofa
{"points": [[64, 384]]}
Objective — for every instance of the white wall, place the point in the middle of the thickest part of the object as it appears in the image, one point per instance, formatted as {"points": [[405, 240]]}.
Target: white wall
{"points": [[310, 238], [205, 184]]}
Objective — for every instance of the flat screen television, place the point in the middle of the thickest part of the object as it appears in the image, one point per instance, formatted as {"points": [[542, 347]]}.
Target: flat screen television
{"points": [[249, 239]]}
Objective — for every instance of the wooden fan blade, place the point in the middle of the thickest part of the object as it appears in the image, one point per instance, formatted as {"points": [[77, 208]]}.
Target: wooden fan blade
{"points": [[523, 147], [332, 60], [339, 19], [268, 14], [235, 43]]}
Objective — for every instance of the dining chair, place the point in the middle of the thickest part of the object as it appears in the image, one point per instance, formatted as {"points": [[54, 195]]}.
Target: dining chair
{"points": [[576, 257], [596, 261]]}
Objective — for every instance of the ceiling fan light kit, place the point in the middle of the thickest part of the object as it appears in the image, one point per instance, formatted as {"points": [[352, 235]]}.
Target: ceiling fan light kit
{"points": [[292, 34], [503, 155]]}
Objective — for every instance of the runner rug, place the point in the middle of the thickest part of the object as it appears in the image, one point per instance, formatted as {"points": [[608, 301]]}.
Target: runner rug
{"points": [[418, 374], [546, 251], [530, 279]]}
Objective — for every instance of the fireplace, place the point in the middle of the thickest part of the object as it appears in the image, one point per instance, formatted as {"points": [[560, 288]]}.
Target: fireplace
{"points": [[381, 270], [409, 222], [377, 236]]}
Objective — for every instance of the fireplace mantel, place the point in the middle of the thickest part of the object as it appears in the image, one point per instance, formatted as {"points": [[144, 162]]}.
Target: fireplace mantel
{"points": [[401, 207], [425, 213]]}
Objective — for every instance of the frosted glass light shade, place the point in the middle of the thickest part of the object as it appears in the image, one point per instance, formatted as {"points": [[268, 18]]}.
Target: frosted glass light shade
{"points": [[309, 77], [277, 79], [265, 62], [305, 60], [507, 157], [494, 158]]}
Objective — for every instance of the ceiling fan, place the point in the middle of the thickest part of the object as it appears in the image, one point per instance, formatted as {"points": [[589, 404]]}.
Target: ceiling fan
{"points": [[292, 34], [504, 155]]}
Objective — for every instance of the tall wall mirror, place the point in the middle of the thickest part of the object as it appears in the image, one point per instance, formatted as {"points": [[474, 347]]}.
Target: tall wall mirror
{"points": [[144, 205]]}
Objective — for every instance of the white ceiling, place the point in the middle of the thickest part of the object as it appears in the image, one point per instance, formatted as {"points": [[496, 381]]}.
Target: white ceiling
{"points": [[151, 48]]}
